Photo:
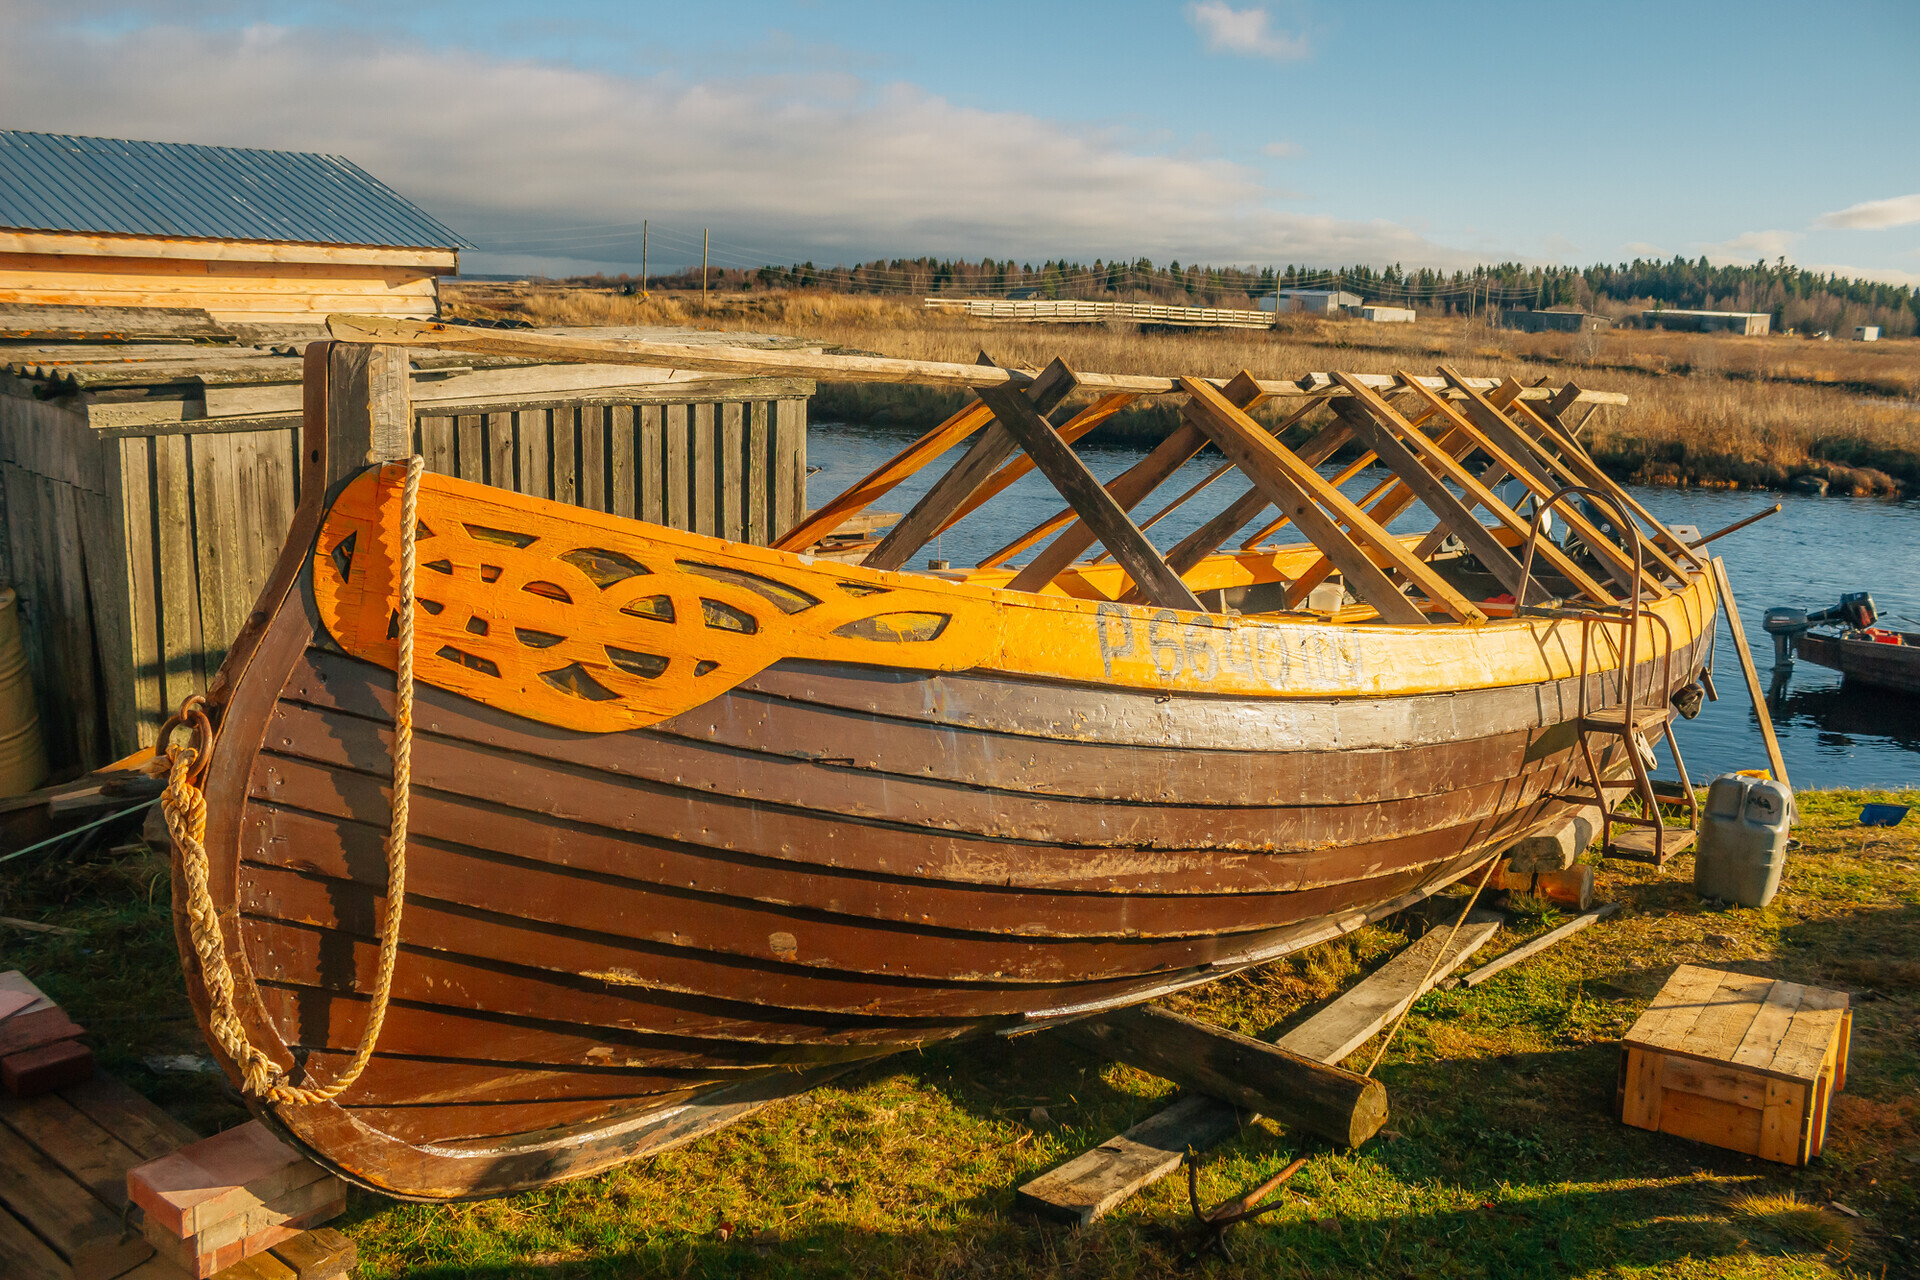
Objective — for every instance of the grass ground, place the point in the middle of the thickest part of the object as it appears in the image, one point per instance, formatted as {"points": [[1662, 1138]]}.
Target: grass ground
{"points": [[1705, 409], [1501, 1159]]}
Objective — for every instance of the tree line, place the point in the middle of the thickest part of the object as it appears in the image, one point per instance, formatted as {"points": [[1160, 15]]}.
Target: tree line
{"points": [[1796, 298]]}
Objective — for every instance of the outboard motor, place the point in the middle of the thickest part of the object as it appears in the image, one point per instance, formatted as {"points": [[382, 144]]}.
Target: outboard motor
{"points": [[1857, 611], [1783, 624]]}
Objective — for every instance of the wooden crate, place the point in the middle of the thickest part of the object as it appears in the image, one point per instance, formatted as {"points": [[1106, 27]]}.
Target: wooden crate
{"points": [[138, 547], [1740, 1062]]}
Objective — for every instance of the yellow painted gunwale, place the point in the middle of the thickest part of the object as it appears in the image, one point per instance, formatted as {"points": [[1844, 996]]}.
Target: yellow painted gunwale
{"points": [[989, 629]]}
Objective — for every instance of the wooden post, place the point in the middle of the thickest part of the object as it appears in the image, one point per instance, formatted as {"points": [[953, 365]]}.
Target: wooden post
{"points": [[369, 408], [1774, 759], [1338, 1105]]}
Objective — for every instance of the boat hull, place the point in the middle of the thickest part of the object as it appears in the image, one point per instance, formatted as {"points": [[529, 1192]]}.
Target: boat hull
{"points": [[613, 942], [1887, 666]]}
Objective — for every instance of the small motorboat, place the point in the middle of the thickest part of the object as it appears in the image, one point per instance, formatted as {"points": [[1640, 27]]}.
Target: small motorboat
{"points": [[1846, 638]]}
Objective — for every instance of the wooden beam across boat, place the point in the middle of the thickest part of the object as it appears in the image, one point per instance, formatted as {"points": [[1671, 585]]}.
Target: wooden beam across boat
{"points": [[1061, 465], [990, 448], [802, 364], [1299, 490], [1131, 488]]}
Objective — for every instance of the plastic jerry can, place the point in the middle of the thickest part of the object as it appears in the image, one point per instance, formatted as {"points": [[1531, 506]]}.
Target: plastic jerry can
{"points": [[1743, 840]]}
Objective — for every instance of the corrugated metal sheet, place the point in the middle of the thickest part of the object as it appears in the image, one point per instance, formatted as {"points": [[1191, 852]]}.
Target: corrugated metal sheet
{"points": [[110, 186]]}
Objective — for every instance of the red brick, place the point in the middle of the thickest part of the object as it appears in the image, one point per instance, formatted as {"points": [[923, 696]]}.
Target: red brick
{"points": [[26, 1031], [51, 1066], [217, 1177]]}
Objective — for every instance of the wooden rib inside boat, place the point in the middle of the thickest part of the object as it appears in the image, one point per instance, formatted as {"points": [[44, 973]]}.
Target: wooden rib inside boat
{"points": [[696, 824]]}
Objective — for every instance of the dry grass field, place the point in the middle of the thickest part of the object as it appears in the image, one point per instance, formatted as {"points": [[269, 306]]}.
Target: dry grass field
{"points": [[1706, 409]]}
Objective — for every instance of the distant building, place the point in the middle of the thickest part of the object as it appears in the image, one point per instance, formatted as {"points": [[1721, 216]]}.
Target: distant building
{"points": [[1866, 333], [1384, 315], [1320, 302], [1747, 322], [1553, 321], [271, 237]]}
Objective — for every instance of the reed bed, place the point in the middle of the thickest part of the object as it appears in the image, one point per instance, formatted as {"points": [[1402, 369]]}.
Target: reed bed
{"points": [[1706, 409]]}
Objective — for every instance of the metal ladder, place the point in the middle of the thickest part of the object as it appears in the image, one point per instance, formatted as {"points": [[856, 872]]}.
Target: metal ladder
{"points": [[1627, 725]]}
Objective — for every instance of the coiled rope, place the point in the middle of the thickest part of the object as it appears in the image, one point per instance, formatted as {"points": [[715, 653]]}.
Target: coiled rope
{"points": [[185, 806]]}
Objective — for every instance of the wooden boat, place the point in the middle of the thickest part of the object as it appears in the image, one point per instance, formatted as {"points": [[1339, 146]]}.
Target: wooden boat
{"points": [[696, 824], [1888, 660]]}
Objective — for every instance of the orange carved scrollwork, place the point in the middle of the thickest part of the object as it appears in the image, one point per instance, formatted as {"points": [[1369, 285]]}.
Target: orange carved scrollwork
{"points": [[589, 621]]}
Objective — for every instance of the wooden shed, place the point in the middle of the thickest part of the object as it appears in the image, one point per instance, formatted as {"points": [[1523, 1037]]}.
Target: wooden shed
{"points": [[148, 466], [263, 237]]}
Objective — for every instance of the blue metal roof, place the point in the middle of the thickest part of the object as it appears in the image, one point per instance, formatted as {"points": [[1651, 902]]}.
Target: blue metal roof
{"points": [[110, 186]]}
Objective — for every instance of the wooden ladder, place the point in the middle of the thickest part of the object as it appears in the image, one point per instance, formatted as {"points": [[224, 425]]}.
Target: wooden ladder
{"points": [[1629, 724]]}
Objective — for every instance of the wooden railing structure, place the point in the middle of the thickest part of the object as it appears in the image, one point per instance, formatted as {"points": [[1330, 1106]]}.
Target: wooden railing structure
{"points": [[1072, 311], [1448, 440]]}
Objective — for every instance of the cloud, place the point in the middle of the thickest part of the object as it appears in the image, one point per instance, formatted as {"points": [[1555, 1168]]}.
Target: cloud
{"points": [[1751, 246], [1641, 249], [551, 168], [1282, 150], [1244, 31], [1874, 215]]}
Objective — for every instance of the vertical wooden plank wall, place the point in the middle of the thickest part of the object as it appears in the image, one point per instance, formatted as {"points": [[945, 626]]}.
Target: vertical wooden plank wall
{"points": [[735, 469], [137, 558]]}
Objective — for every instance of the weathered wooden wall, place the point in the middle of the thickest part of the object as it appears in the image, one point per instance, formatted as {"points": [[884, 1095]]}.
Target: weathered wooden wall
{"points": [[262, 292], [138, 556]]}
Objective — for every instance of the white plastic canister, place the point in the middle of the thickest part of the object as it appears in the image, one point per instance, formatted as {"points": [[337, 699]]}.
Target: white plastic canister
{"points": [[1743, 840]]}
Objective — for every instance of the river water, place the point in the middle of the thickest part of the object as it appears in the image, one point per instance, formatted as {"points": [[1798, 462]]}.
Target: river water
{"points": [[1831, 735]]}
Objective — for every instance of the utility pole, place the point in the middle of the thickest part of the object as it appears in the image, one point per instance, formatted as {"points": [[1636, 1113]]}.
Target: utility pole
{"points": [[703, 266], [643, 257]]}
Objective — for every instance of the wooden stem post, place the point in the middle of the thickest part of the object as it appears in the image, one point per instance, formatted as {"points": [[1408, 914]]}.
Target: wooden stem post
{"points": [[369, 408]]}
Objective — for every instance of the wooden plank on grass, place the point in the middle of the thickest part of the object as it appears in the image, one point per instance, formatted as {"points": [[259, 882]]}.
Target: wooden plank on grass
{"points": [[86, 1234], [1354, 1019], [1063, 468], [1538, 945], [1095, 1182]]}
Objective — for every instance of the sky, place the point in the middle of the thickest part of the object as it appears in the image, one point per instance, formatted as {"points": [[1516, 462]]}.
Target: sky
{"points": [[1245, 132]]}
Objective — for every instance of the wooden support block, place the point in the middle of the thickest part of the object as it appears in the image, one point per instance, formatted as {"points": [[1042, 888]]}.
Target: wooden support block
{"points": [[25, 1031], [1299, 1091], [319, 1254], [317, 1202], [51, 1066], [193, 1189], [1091, 1184]]}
